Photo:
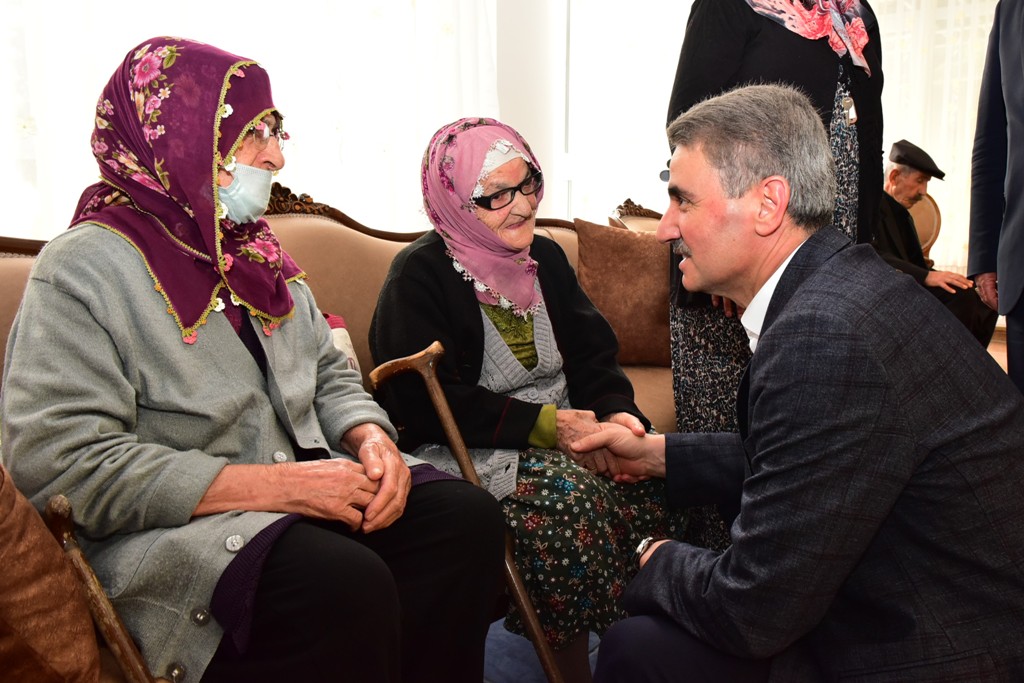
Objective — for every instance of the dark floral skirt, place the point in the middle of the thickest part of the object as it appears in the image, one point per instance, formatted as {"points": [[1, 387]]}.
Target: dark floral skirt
{"points": [[709, 352], [575, 536]]}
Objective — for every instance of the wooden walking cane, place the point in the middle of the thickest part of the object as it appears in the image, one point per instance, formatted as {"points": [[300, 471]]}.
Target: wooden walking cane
{"points": [[425, 363]]}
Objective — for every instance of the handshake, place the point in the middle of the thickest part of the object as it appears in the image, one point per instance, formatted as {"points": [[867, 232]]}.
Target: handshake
{"points": [[618, 448]]}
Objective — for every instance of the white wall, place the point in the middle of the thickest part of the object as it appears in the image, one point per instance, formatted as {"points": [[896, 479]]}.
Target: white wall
{"points": [[587, 83], [364, 85]]}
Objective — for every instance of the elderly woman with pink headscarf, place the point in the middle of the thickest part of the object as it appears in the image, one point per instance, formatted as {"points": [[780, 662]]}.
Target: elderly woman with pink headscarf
{"points": [[529, 367], [239, 493]]}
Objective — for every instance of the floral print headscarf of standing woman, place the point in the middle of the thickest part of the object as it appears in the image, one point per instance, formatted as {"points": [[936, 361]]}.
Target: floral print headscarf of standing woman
{"points": [[169, 120], [838, 20]]}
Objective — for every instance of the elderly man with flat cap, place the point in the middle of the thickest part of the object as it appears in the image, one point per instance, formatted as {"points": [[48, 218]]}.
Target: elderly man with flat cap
{"points": [[906, 181]]}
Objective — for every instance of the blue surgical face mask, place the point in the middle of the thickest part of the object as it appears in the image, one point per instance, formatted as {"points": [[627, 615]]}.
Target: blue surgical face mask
{"points": [[246, 198]]}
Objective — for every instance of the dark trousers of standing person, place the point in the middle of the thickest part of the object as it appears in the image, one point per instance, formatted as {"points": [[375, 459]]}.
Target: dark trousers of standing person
{"points": [[969, 309], [649, 649], [411, 602], [1015, 345]]}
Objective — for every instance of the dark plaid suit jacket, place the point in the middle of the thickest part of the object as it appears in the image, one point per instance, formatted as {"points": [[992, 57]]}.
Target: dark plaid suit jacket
{"points": [[879, 473]]}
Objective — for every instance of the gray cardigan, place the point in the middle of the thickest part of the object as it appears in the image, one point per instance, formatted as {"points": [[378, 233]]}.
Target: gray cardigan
{"points": [[104, 403]]}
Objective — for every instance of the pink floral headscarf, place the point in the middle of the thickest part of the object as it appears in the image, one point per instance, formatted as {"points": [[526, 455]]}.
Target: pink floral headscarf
{"points": [[453, 165], [840, 20], [170, 117]]}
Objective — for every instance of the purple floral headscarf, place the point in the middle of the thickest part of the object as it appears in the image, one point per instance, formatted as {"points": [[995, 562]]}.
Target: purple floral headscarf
{"points": [[839, 20], [453, 166], [169, 118]]}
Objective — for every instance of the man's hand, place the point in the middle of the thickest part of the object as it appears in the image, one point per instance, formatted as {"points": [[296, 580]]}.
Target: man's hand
{"points": [[572, 425], [988, 289], [637, 457], [384, 466], [630, 422], [947, 280], [729, 307], [650, 551]]}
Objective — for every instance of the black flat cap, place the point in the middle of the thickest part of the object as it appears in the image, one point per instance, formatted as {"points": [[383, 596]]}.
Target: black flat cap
{"points": [[909, 154]]}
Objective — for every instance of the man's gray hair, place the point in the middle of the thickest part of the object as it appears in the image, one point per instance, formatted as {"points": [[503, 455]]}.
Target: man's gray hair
{"points": [[902, 168], [757, 131]]}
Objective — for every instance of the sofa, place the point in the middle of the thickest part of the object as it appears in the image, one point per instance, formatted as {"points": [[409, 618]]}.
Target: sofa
{"points": [[620, 265]]}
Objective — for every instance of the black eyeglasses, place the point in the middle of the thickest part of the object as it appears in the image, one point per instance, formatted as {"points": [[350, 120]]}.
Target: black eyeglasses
{"points": [[502, 198]]}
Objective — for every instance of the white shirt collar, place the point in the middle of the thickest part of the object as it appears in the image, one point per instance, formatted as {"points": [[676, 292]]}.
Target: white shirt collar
{"points": [[753, 317]]}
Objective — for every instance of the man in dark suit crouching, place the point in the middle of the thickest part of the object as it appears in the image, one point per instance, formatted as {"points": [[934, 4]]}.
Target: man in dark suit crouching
{"points": [[876, 477]]}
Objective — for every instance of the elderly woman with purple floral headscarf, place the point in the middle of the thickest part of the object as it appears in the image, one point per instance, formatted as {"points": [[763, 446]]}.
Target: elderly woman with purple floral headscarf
{"points": [[529, 366], [240, 495]]}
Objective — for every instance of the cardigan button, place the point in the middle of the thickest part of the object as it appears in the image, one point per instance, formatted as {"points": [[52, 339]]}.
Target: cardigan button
{"points": [[280, 456], [176, 673], [234, 543], [200, 617]]}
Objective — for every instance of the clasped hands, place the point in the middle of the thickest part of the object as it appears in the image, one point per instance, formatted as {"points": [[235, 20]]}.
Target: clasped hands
{"points": [[373, 494], [618, 448], [367, 494]]}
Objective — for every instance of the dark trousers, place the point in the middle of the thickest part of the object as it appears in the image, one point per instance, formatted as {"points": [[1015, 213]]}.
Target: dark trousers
{"points": [[969, 309], [1015, 345], [411, 602], [649, 649]]}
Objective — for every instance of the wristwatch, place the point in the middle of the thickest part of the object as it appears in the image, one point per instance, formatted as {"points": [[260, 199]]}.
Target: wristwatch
{"points": [[642, 548]]}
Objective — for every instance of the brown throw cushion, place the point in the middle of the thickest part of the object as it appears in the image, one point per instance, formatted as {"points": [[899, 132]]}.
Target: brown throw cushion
{"points": [[46, 633], [625, 274]]}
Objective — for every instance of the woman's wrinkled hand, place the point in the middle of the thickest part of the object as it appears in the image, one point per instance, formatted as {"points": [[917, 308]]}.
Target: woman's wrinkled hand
{"points": [[572, 425], [385, 467], [335, 489]]}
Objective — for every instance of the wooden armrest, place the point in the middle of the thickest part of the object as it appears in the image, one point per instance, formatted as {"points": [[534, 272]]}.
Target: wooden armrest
{"points": [[61, 524]]}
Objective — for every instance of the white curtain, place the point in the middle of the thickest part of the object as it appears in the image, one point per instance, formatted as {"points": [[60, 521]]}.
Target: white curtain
{"points": [[362, 85]]}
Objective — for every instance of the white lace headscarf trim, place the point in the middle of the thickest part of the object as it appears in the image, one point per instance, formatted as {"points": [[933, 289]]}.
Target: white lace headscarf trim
{"points": [[483, 287]]}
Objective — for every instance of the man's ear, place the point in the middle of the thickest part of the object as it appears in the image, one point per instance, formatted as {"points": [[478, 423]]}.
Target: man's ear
{"points": [[891, 176], [774, 200]]}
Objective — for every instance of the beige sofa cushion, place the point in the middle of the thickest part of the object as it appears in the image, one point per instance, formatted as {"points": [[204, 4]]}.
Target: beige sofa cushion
{"points": [[625, 274], [14, 271], [652, 392], [345, 268]]}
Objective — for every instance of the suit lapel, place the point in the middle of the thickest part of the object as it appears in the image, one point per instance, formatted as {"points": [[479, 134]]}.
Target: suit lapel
{"points": [[819, 248]]}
